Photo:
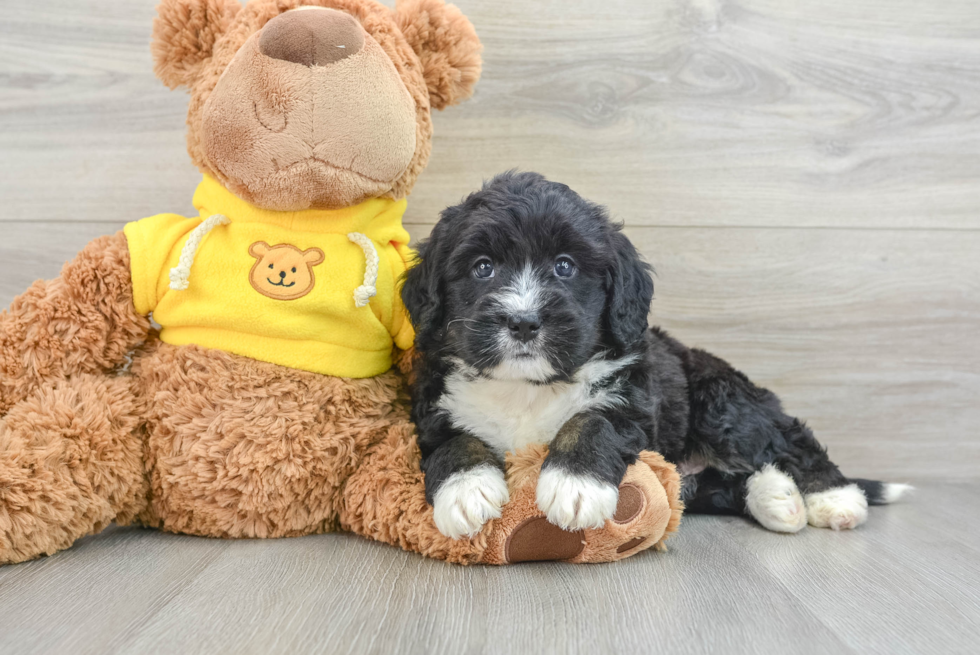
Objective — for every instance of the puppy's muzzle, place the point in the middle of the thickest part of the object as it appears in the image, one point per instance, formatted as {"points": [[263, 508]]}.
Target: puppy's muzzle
{"points": [[524, 327]]}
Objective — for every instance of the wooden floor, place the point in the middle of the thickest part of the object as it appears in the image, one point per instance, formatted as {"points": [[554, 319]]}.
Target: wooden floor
{"points": [[906, 582], [804, 176]]}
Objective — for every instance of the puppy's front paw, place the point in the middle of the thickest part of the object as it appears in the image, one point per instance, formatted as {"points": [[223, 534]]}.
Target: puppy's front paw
{"points": [[842, 508], [574, 502], [469, 499]]}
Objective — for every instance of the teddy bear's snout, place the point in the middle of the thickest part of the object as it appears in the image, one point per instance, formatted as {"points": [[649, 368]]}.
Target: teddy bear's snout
{"points": [[312, 36]]}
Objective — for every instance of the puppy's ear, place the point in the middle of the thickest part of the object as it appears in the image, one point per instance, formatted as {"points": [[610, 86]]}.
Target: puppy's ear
{"points": [[184, 34], [421, 293], [446, 44], [629, 293]]}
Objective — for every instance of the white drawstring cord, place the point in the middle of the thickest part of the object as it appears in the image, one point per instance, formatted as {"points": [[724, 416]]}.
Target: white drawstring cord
{"points": [[368, 290], [181, 273]]}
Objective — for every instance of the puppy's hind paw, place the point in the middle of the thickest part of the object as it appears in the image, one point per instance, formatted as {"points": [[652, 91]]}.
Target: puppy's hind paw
{"points": [[842, 508], [774, 501], [467, 500]]}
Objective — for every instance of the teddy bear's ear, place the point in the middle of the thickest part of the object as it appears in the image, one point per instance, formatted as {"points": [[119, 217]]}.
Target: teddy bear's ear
{"points": [[184, 34], [446, 43]]}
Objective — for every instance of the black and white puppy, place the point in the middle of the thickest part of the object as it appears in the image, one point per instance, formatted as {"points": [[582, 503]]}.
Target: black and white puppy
{"points": [[531, 308]]}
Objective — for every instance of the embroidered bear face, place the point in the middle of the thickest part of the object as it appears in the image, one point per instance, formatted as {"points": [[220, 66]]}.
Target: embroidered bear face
{"points": [[283, 272]]}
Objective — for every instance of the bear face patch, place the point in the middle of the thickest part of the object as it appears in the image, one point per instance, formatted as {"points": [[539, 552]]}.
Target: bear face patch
{"points": [[283, 272]]}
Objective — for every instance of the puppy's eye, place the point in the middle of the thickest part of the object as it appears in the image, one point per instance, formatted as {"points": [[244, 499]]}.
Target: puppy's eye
{"points": [[294, 269], [271, 266], [565, 267], [483, 269]]}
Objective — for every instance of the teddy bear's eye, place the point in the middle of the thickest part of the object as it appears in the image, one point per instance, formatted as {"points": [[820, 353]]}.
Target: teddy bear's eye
{"points": [[294, 269], [271, 266]]}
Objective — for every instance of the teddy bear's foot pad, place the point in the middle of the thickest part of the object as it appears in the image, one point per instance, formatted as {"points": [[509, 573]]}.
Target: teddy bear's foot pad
{"points": [[537, 540], [645, 514]]}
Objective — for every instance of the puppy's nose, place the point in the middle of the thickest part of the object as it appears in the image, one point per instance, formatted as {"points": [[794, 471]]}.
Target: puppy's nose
{"points": [[282, 275], [524, 327], [314, 36]]}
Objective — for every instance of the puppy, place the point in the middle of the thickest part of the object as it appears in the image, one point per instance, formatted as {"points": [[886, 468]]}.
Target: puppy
{"points": [[530, 309]]}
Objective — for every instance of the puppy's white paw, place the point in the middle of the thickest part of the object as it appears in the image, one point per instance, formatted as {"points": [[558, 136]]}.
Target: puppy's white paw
{"points": [[774, 500], [842, 508], [469, 499], [574, 502]]}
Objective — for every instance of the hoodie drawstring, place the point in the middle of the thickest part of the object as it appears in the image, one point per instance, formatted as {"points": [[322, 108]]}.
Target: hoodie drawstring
{"points": [[181, 273], [368, 290]]}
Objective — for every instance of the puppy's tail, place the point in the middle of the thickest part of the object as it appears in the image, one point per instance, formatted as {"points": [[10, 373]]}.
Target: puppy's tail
{"points": [[882, 493]]}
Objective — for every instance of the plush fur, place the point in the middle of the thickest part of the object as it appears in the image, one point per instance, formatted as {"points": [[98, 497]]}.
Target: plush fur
{"points": [[531, 311], [100, 421], [195, 41], [184, 35], [446, 45]]}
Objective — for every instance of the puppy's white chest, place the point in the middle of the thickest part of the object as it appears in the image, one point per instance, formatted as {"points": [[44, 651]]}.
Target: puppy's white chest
{"points": [[510, 414]]}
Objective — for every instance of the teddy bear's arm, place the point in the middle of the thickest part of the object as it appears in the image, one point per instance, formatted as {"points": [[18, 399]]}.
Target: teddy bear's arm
{"points": [[83, 321]]}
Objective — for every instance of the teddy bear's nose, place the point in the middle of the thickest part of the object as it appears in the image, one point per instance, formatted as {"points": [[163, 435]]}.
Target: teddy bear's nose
{"points": [[312, 36], [282, 275]]}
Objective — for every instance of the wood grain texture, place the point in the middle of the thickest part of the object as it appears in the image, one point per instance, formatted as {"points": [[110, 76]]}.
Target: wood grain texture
{"points": [[906, 582], [674, 112], [730, 113], [804, 176], [919, 559], [870, 336]]}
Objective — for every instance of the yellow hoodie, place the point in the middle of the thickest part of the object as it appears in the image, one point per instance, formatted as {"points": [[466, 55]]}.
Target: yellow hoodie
{"points": [[316, 290]]}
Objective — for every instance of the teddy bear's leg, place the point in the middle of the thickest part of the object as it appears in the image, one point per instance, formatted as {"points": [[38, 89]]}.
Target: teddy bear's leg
{"points": [[84, 321], [649, 510], [237, 448], [71, 461], [385, 500]]}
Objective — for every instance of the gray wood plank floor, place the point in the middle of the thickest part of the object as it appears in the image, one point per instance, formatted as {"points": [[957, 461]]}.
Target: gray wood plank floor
{"points": [[906, 582], [805, 178]]}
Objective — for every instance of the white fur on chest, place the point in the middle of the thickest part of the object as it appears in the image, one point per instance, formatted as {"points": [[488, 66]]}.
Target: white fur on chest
{"points": [[510, 414]]}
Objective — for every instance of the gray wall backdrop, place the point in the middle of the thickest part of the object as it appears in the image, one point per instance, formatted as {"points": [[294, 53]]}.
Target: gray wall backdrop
{"points": [[804, 176]]}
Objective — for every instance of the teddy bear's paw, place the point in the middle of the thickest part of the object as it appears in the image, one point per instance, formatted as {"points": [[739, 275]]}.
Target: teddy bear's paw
{"points": [[539, 539], [575, 502], [774, 501], [467, 500], [643, 512], [843, 508]]}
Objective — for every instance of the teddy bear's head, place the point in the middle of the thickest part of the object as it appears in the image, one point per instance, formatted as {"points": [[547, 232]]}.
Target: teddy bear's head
{"points": [[299, 104]]}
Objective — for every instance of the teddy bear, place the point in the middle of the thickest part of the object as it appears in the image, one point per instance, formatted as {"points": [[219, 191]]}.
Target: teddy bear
{"points": [[267, 395]]}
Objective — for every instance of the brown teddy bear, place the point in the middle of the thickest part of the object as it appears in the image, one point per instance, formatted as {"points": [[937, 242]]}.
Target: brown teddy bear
{"points": [[266, 406]]}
